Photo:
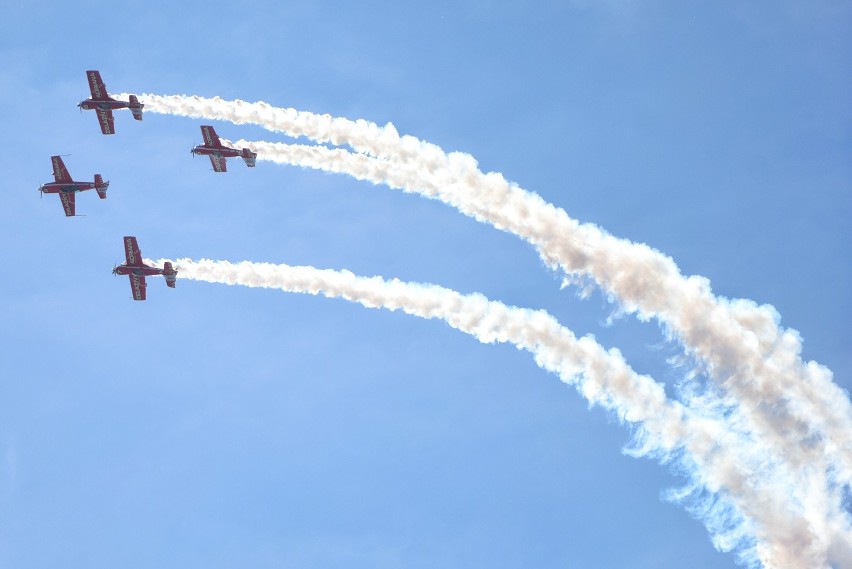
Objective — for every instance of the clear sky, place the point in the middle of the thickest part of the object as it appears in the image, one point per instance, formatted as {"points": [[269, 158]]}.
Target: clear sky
{"points": [[220, 427]]}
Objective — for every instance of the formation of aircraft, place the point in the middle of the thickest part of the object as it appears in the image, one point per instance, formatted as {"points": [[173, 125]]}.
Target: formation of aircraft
{"points": [[68, 188], [103, 104], [137, 270], [218, 152]]}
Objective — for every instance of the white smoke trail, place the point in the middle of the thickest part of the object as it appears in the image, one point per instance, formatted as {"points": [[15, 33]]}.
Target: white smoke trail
{"points": [[791, 405], [359, 134], [797, 428], [746, 351], [812, 479], [717, 458]]}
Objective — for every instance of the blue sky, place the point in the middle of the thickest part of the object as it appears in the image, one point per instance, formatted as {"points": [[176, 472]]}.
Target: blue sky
{"points": [[215, 426]]}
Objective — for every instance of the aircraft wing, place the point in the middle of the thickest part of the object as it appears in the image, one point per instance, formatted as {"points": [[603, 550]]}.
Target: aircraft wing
{"points": [[68, 203], [131, 251], [60, 172], [210, 137], [219, 163], [137, 286], [96, 85], [106, 121]]}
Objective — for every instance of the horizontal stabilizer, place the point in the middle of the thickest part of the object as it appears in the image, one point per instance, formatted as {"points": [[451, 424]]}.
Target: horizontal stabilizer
{"points": [[170, 274], [136, 107], [101, 186], [249, 157]]}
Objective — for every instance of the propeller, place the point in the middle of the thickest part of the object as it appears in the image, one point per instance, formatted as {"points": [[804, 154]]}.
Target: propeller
{"points": [[40, 190]]}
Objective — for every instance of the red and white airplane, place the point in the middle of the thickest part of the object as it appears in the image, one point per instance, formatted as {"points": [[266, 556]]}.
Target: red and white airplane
{"points": [[137, 270], [218, 152], [67, 188], [103, 104]]}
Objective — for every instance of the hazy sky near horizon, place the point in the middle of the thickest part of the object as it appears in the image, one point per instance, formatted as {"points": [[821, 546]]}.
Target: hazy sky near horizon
{"points": [[216, 426]]}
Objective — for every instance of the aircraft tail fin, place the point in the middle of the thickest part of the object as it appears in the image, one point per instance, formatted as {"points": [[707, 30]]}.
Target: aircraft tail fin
{"points": [[136, 107], [170, 274], [249, 157], [101, 186]]}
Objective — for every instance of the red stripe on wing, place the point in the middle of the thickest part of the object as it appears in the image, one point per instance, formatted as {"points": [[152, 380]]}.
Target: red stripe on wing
{"points": [[131, 250], [68, 203], [210, 137], [60, 172], [137, 286], [106, 121]]}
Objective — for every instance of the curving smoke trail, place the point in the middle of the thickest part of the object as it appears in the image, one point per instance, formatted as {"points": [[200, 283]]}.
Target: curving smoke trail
{"points": [[754, 362], [364, 136], [749, 511], [812, 443], [790, 407]]}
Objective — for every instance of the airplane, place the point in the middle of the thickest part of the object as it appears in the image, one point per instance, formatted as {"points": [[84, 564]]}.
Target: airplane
{"points": [[218, 152], [67, 188], [103, 104], [137, 270]]}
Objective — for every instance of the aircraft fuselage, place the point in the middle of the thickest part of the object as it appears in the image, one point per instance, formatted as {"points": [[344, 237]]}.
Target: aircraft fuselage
{"points": [[103, 105], [66, 187], [218, 152], [138, 270]]}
